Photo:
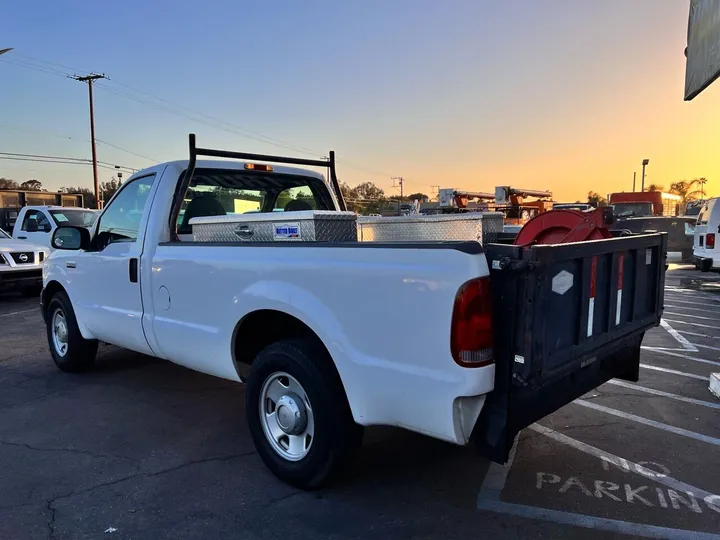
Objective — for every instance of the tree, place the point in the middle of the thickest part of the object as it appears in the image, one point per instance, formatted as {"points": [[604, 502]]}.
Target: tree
{"points": [[7, 183], [108, 189], [88, 195], [689, 190], [418, 196], [655, 187], [365, 198], [596, 199], [32, 185]]}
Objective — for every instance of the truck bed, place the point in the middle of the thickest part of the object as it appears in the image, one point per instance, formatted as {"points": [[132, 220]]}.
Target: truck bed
{"points": [[567, 318]]}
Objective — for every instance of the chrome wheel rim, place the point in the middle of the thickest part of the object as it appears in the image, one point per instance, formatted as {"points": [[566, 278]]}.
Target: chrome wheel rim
{"points": [[59, 332], [286, 416]]}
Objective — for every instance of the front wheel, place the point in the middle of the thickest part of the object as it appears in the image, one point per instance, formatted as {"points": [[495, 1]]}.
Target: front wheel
{"points": [[298, 414], [70, 351]]}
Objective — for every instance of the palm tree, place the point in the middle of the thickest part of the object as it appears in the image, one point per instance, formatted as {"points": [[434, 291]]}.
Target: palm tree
{"points": [[689, 190], [655, 187]]}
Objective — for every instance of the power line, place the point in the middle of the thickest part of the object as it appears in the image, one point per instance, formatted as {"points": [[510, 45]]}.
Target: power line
{"points": [[74, 139], [34, 59], [229, 127], [64, 159], [59, 161], [127, 151], [196, 116], [40, 69]]}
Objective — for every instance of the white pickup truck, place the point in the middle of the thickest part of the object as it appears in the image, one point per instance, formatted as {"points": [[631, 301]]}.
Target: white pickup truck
{"points": [[461, 341], [37, 223]]}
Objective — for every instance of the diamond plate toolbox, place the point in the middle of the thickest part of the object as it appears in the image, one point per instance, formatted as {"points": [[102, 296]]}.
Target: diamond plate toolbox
{"points": [[303, 226], [481, 227]]}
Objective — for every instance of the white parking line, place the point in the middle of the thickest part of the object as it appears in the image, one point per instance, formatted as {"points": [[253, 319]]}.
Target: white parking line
{"points": [[19, 312], [489, 499], [691, 316], [709, 347], [717, 312], [679, 338], [690, 293], [681, 355], [674, 372], [693, 324], [592, 522], [652, 423], [686, 332], [677, 301], [496, 476], [676, 397]]}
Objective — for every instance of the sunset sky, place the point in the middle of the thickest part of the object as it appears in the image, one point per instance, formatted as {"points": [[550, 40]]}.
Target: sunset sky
{"points": [[566, 95]]}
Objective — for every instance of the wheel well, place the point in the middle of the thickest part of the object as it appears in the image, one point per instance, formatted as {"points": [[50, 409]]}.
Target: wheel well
{"points": [[261, 328], [49, 291]]}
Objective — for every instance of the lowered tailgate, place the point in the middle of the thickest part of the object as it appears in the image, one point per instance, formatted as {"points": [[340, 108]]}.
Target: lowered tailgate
{"points": [[567, 318]]}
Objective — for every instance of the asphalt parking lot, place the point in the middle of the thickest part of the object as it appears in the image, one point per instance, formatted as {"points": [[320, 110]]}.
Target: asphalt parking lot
{"points": [[143, 449]]}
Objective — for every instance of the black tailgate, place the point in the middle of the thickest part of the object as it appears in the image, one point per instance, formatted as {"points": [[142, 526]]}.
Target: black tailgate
{"points": [[561, 328]]}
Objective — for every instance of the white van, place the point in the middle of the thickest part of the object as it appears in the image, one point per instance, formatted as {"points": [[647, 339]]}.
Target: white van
{"points": [[706, 254]]}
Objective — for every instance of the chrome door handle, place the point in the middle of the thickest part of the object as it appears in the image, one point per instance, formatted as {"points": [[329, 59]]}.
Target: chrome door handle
{"points": [[244, 232]]}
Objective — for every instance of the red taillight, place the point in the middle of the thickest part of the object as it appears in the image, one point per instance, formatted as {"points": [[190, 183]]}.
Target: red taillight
{"points": [[471, 337], [710, 241]]}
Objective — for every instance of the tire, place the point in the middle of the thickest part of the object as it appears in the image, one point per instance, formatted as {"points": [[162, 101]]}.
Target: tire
{"points": [[335, 436], [79, 353]]}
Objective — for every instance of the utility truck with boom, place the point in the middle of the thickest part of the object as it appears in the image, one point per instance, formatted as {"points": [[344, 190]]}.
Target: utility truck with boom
{"points": [[192, 262]]}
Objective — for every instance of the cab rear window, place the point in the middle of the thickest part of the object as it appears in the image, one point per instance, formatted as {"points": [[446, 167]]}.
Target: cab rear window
{"points": [[704, 214]]}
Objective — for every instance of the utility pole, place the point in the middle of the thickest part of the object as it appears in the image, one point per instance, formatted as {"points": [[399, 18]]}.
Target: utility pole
{"points": [[634, 175], [90, 79], [645, 162], [400, 185]]}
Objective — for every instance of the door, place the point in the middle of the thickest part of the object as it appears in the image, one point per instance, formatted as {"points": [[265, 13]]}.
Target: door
{"points": [[702, 228], [108, 296], [35, 228]]}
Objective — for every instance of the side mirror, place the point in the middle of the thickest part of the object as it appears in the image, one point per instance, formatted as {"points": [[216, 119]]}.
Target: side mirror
{"points": [[31, 225], [70, 238]]}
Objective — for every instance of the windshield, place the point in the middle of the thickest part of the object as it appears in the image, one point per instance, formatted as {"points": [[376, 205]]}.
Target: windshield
{"points": [[76, 218], [632, 209]]}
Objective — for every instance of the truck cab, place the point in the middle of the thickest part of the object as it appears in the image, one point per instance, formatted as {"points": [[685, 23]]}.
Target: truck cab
{"points": [[37, 223]]}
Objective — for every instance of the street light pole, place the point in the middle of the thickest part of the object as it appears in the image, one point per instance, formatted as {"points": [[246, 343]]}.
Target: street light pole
{"points": [[644, 163], [634, 175]]}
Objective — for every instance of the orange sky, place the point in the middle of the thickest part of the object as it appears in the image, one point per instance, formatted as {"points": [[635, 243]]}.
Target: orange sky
{"points": [[565, 95]]}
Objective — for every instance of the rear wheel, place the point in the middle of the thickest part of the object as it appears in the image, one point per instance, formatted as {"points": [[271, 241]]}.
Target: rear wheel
{"points": [[298, 414], [70, 351]]}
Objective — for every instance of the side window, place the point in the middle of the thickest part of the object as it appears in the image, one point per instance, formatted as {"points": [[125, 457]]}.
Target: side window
{"points": [[120, 222], [30, 223], [43, 222], [295, 199]]}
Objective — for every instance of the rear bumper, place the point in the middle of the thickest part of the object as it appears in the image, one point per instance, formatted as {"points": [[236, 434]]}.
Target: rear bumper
{"points": [[21, 279], [506, 414], [702, 263]]}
